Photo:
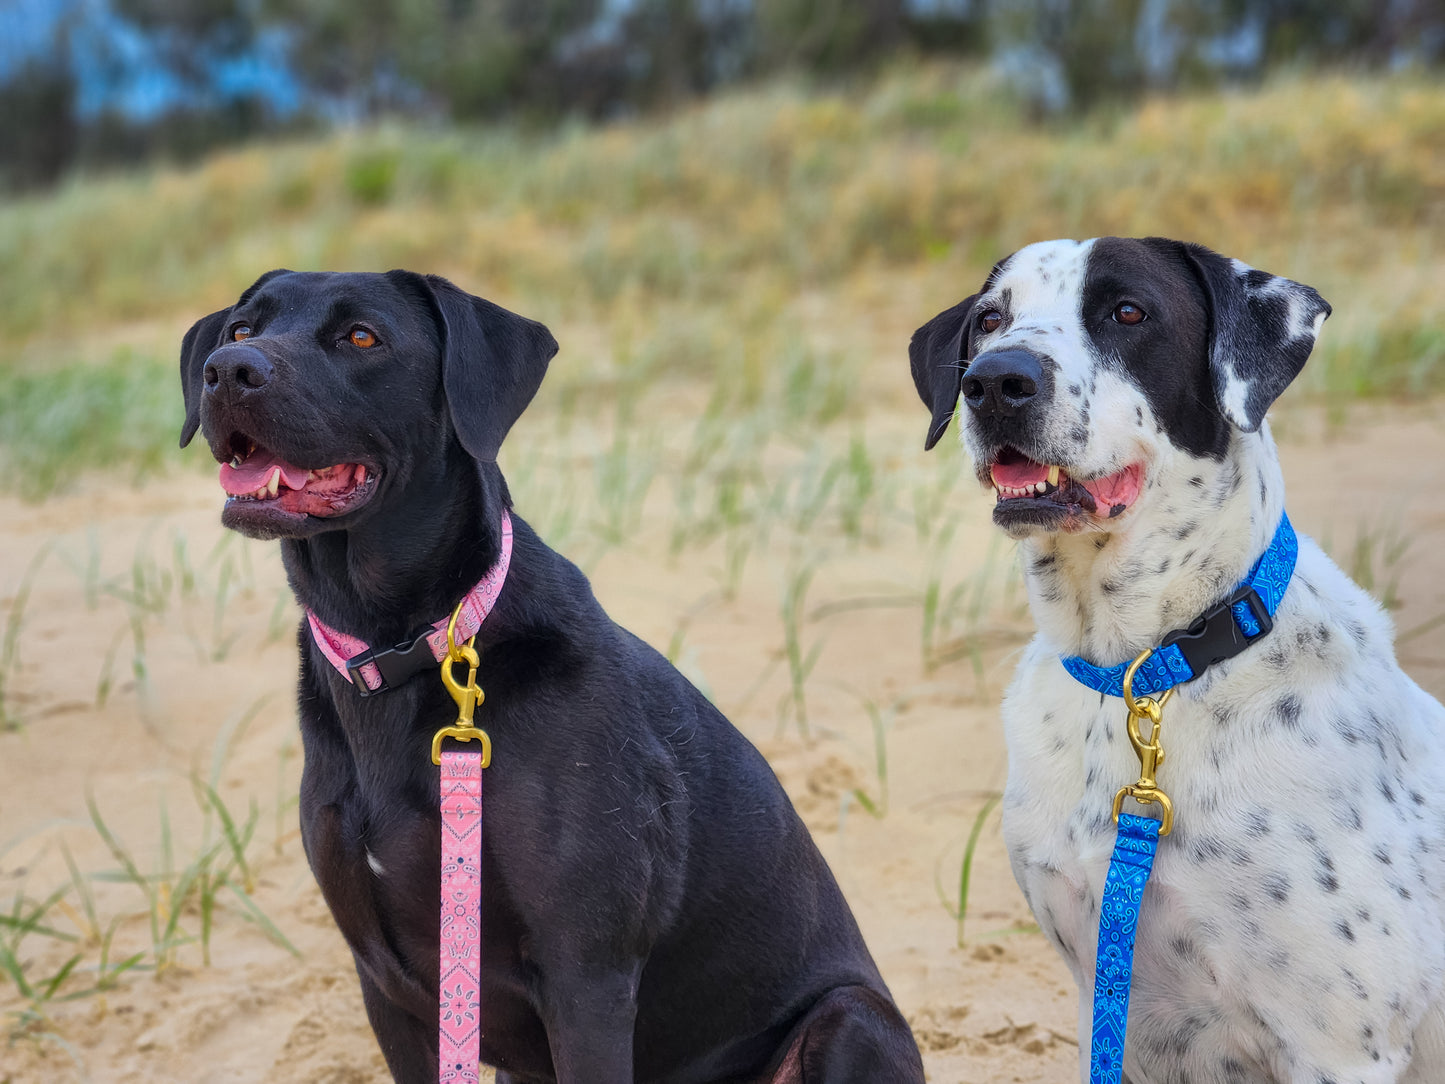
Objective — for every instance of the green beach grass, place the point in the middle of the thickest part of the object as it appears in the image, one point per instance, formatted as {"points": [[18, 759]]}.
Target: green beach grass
{"points": [[778, 222]]}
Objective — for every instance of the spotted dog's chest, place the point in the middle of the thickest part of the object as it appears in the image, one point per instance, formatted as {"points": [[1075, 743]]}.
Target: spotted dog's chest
{"points": [[1068, 757], [1303, 856], [1065, 764]]}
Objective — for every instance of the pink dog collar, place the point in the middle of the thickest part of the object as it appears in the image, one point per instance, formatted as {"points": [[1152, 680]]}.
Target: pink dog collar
{"points": [[387, 668]]}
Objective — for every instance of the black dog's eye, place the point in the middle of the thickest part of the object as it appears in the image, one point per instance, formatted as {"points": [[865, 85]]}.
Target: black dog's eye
{"points": [[1126, 312], [240, 331], [362, 337], [991, 320]]}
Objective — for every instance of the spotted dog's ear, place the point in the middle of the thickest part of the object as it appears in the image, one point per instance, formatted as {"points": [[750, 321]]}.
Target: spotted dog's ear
{"points": [[1261, 331], [936, 356], [493, 362], [199, 342]]}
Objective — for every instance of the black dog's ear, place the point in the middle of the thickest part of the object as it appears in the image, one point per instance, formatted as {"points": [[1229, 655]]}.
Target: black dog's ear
{"points": [[493, 362], [1261, 331], [196, 347], [936, 355]]}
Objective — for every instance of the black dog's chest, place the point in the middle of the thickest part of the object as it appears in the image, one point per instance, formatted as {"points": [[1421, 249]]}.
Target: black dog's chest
{"points": [[379, 871]]}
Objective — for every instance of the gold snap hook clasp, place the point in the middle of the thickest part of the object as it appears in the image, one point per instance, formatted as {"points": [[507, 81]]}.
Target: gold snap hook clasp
{"points": [[467, 696], [1149, 750]]}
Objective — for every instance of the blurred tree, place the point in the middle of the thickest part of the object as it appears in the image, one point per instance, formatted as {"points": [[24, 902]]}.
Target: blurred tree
{"points": [[1072, 53], [38, 129], [1068, 53], [178, 76], [827, 36], [464, 58]]}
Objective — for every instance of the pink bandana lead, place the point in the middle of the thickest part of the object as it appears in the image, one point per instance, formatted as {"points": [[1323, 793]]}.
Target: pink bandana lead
{"points": [[459, 1024], [459, 963]]}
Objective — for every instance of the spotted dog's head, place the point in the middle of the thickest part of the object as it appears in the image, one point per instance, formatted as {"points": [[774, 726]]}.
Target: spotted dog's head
{"points": [[1083, 371]]}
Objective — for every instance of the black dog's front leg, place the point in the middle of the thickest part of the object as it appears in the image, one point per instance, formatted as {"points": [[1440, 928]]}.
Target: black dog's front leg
{"points": [[590, 1015], [408, 1044]]}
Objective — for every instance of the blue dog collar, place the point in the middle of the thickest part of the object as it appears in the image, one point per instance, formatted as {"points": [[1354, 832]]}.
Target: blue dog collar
{"points": [[1220, 633]]}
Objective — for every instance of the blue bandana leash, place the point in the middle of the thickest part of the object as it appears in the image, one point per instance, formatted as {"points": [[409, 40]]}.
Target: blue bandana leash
{"points": [[1146, 684]]}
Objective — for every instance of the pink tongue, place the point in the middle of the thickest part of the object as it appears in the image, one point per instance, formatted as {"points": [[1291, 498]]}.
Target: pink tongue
{"points": [[1020, 475], [1121, 488], [256, 472]]}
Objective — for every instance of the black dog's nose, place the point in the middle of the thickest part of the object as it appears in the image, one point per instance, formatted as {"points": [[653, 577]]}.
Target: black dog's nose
{"points": [[1002, 382], [237, 365]]}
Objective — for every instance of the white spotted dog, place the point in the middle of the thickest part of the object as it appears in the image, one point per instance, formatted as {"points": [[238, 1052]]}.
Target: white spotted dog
{"points": [[1113, 393]]}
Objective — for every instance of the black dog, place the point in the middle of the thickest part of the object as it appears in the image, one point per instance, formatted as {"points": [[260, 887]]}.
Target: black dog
{"points": [[654, 910]]}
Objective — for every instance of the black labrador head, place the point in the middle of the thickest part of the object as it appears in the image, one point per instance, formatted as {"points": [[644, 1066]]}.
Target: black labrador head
{"points": [[1084, 372], [323, 394]]}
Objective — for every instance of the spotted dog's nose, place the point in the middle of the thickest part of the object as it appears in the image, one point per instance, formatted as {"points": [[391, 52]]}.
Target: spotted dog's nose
{"points": [[1002, 383], [236, 369]]}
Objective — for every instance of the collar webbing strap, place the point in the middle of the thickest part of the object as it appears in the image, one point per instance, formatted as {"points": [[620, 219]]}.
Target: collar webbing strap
{"points": [[1220, 633], [378, 670]]}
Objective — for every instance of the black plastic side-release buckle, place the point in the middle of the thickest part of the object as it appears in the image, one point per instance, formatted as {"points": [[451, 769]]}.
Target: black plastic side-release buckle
{"points": [[1216, 635], [397, 665]]}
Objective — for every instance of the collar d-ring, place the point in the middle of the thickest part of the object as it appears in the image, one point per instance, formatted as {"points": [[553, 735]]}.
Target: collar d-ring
{"points": [[1136, 706]]}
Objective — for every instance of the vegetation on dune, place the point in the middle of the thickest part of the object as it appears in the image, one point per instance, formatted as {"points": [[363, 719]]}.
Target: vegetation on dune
{"points": [[705, 245]]}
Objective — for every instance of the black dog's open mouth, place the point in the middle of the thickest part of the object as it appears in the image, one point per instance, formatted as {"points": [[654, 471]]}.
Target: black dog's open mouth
{"points": [[1046, 495], [260, 478]]}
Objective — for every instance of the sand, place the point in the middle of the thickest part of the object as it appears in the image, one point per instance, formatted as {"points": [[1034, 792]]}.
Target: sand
{"points": [[219, 673]]}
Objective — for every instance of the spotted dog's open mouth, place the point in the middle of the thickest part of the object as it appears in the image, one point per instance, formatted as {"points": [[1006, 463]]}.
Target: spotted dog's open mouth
{"points": [[264, 487], [1044, 495]]}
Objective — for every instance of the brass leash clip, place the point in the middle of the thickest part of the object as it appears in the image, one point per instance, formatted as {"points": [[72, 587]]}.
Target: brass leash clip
{"points": [[1149, 751], [467, 696]]}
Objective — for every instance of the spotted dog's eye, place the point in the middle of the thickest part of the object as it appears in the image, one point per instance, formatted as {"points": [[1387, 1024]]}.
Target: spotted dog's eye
{"points": [[1126, 312], [240, 331], [362, 337], [991, 320]]}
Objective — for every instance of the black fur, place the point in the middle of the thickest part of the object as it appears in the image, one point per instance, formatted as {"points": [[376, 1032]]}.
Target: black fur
{"points": [[936, 355], [1168, 355], [1249, 336], [654, 910]]}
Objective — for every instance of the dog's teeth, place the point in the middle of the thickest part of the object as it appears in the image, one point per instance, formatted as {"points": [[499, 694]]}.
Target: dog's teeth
{"points": [[273, 485], [236, 461], [1054, 475], [1039, 488], [260, 493]]}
